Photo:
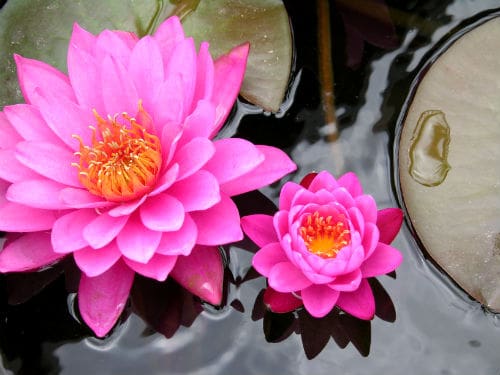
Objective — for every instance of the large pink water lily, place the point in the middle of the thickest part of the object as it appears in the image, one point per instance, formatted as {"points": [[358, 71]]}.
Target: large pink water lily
{"points": [[115, 163], [321, 246]]}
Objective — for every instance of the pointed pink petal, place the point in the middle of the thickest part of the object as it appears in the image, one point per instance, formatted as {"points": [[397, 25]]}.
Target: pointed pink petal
{"points": [[12, 170], [34, 74], [67, 232], [323, 180], [368, 207], [259, 228], [193, 156], [166, 180], [218, 225], [65, 118], [351, 182], [127, 208], [168, 35], [370, 239], [137, 242], [115, 44], [49, 160], [347, 282], [81, 39], [94, 262], [82, 198], [201, 273], [359, 303], [204, 77], [40, 193], [180, 242], [101, 299], [281, 302], [276, 165], [158, 267], [389, 222], [146, 68], [162, 213], [28, 122], [8, 135], [19, 218], [169, 92], [287, 194], [29, 252], [229, 72], [357, 220], [267, 257], [344, 198], [285, 278], [233, 158], [319, 300], [280, 223], [384, 259], [197, 192], [103, 229], [118, 91], [199, 122]]}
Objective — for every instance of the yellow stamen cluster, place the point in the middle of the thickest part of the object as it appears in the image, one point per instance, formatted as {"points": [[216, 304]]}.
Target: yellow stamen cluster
{"points": [[324, 236], [123, 161]]}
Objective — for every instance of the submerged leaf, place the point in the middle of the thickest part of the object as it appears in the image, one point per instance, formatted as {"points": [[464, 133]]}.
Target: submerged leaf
{"points": [[263, 23], [457, 215], [41, 30]]}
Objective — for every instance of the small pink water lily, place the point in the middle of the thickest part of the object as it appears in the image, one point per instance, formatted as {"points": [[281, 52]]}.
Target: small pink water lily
{"points": [[321, 246], [115, 164]]}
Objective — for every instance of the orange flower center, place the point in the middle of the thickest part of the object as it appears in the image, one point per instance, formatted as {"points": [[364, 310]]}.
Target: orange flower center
{"points": [[324, 236], [123, 161]]}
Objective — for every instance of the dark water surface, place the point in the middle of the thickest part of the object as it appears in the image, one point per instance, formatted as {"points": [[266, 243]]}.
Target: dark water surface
{"points": [[426, 324]]}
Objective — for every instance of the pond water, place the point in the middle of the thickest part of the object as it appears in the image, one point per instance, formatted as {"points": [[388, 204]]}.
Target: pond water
{"points": [[436, 328]]}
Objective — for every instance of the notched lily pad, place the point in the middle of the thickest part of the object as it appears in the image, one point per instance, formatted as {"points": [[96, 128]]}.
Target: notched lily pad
{"points": [[457, 216], [263, 23]]}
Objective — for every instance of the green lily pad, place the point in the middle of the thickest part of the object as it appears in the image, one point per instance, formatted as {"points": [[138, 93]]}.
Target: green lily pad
{"points": [[263, 23], [41, 30], [449, 162]]}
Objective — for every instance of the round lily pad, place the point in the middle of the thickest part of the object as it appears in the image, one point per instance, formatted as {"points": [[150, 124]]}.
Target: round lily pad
{"points": [[449, 162]]}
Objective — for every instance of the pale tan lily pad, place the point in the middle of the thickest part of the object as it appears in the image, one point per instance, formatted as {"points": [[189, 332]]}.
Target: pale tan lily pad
{"points": [[457, 215]]}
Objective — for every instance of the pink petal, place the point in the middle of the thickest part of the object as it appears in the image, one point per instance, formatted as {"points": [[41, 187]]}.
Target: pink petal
{"points": [[19, 218], [199, 122], [276, 165], [146, 68], [347, 282], [166, 180], [169, 92], [281, 302], [267, 257], [101, 299], [127, 208], [180, 242], [197, 192], [82, 198], [81, 39], [259, 228], [344, 198], [158, 267], [40, 193], [34, 74], [287, 194], [67, 232], [285, 278], [368, 207], [218, 225], [137, 242], [384, 259], [65, 118], [162, 213], [193, 156], [280, 223], [115, 44], [323, 180], [370, 239], [351, 182], [229, 72], [29, 252], [204, 77], [201, 273], [94, 262], [359, 303], [8, 135], [168, 35], [103, 229], [319, 300], [389, 222], [28, 122], [12, 170], [357, 220], [233, 158], [118, 91], [49, 160]]}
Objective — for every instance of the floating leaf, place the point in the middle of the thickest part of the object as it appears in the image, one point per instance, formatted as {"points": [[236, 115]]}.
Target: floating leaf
{"points": [[457, 214], [41, 30], [263, 23]]}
